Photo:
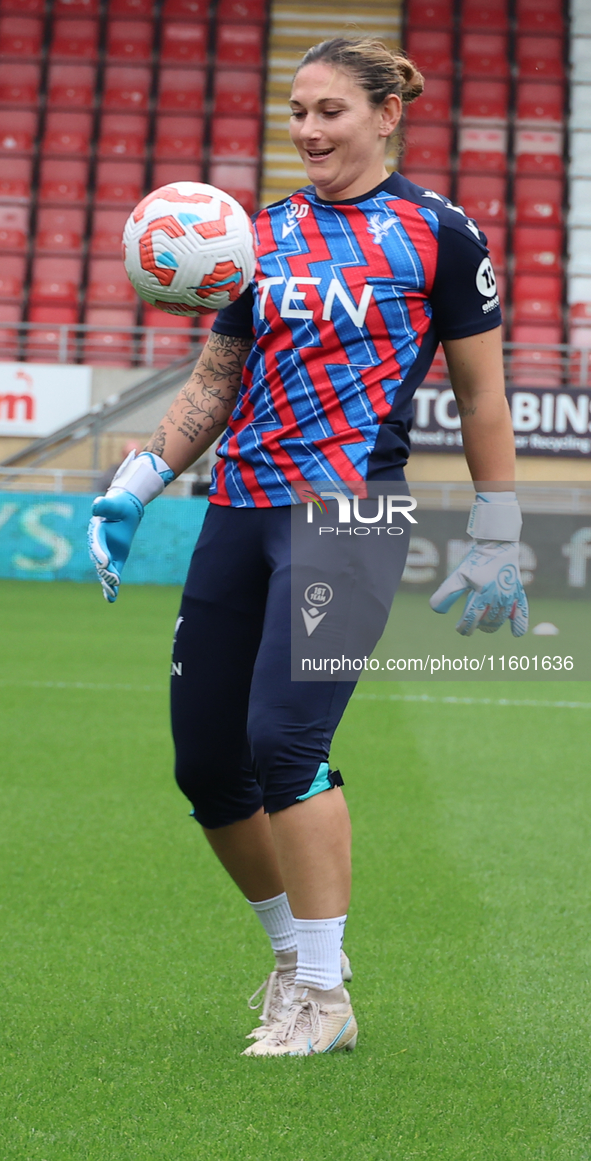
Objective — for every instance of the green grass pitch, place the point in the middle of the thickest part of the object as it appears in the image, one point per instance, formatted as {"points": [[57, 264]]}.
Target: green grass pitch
{"points": [[126, 956]]}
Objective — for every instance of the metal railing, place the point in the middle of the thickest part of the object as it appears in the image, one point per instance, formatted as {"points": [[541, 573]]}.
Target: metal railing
{"points": [[528, 364], [60, 480], [84, 343], [552, 365], [551, 497]]}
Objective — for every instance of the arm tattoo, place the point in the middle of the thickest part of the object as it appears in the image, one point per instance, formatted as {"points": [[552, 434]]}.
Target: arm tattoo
{"points": [[157, 443], [205, 402], [464, 411]]}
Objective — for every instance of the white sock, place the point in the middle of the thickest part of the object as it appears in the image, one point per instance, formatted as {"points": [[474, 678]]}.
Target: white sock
{"points": [[277, 919], [319, 952]]}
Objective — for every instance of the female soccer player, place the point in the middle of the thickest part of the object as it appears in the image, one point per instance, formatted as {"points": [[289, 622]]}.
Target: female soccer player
{"points": [[312, 373]]}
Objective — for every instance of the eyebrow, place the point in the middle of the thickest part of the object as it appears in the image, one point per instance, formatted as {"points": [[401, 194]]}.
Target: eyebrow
{"points": [[322, 101]]}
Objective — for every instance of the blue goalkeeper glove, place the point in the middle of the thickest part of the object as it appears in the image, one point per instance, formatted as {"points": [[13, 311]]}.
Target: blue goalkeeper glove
{"points": [[489, 574], [116, 516]]}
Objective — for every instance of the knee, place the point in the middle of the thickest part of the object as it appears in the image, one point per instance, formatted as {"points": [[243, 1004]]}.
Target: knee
{"points": [[218, 798]]}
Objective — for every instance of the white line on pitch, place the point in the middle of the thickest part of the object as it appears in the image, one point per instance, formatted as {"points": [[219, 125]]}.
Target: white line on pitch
{"points": [[504, 701], [84, 685], [403, 697]]}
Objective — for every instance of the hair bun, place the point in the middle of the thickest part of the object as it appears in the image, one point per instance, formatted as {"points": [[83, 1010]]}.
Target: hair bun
{"points": [[412, 82]]}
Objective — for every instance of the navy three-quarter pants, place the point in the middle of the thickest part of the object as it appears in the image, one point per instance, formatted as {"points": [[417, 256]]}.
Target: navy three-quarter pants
{"points": [[245, 734]]}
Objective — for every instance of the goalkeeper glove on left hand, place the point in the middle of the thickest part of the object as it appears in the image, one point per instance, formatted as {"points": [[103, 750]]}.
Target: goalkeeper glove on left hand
{"points": [[116, 516], [489, 574]]}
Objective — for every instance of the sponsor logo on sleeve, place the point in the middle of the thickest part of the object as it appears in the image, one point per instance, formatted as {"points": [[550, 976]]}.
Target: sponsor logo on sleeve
{"points": [[486, 284]]}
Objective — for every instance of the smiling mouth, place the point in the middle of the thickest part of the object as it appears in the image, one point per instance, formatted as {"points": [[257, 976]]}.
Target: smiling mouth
{"points": [[319, 154]]}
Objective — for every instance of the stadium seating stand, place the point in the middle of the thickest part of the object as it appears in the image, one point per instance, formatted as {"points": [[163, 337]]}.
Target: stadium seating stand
{"points": [[98, 103], [13, 229], [60, 231], [181, 90], [50, 343], [126, 88], [19, 84], [107, 346]]}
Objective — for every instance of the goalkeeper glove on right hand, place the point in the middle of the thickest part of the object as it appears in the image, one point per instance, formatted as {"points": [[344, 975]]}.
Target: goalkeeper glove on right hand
{"points": [[489, 574], [116, 516]]}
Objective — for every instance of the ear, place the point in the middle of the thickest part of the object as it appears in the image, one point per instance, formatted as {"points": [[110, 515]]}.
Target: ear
{"points": [[390, 115]]}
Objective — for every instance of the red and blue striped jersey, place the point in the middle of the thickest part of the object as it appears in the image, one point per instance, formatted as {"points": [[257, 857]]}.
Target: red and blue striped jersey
{"points": [[348, 303]]}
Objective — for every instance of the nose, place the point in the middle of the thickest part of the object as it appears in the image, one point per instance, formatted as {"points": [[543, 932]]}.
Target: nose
{"points": [[310, 128]]}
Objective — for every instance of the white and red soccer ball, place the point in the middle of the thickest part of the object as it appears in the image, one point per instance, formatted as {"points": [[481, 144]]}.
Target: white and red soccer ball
{"points": [[188, 248]]}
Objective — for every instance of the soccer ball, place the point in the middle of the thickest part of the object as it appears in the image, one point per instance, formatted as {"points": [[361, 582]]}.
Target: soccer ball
{"points": [[188, 248]]}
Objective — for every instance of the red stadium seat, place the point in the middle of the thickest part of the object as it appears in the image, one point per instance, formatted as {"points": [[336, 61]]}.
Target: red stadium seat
{"points": [[185, 9], [129, 40], [19, 84], [483, 150], [537, 298], [14, 228], [185, 43], [10, 312], [59, 231], [166, 172], [242, 11], [538, 250], [181, 90], [75, 39], [119, 182], [240, 181], [108, 283], [239, 44], [71, 86], [540, 57], [23, 7], [21, 36], [438, 182], [17, 131], [63, 182], [540, 104], [538, 201], [160, 350], [109, 347], [540, 16], [15, 179], [428, 147], [107, 232], [178, 137], [538, 151], [130, 8], [432, 51], [51, 342], [237, 92], [67, 134], [76, 7], [483, 198], [484, 99], [235, 137], [122, 135], [56, 280], [484, 55], [580, 314], [430, 14], [532, 333], [536, 368], [126, 88], [12, 277], [490, 16], [435, 103], [496, 237]]}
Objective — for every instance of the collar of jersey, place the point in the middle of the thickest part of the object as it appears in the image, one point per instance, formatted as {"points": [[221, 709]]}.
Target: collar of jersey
{"points": [[311, 193]]}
